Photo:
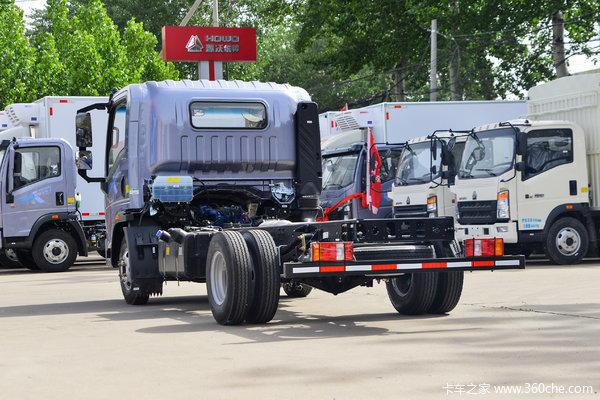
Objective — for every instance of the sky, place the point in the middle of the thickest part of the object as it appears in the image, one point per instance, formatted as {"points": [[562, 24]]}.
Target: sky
{"points": [[576, 63]]}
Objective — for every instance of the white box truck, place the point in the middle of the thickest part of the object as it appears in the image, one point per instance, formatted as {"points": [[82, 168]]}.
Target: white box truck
{"points": [[53, 117], [535, 183], [392, 124]]}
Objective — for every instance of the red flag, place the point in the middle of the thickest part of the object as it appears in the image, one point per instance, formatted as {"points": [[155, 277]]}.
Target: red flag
{"points": [[374, 179], [345, 108]]}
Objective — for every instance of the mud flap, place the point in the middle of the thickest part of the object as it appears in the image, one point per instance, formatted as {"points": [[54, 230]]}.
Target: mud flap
{"points": [[143, 252]]}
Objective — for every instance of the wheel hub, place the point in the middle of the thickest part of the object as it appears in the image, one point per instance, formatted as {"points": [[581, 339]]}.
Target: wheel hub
{"points": [[568, 241], [125, 269], [218, 278], [56, 251], [402, 284]]}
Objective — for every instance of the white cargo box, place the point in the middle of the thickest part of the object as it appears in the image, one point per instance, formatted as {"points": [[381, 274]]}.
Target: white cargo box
{"points": [[399, 122], [575, 99]]}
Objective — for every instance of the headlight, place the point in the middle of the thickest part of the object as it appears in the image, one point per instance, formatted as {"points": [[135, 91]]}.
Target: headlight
{"points": [[432, 206], [503, 208]]}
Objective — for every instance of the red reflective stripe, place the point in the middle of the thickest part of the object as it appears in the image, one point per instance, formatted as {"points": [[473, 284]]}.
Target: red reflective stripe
{"points": [[387, 115], [434, 265], [334, 268], [483, 263], [51, 111], [85, 214], [383, 266], [63, 101], [397, 106], [101, 213]]}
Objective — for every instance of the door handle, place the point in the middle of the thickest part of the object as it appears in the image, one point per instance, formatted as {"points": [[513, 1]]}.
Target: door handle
{"points": [[60, 199]]}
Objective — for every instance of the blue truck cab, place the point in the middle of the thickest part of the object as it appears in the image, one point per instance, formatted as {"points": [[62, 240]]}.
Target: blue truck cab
{"points": [[39, 221]]}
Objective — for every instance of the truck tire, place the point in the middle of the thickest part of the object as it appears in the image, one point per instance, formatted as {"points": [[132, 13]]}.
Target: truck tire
{"points": [[447, 294], [412, 294], [567, 241], [296, 290], [132, 293], [264, 293], [9, 259], [26, 259], [54, 251], [228, 277]]}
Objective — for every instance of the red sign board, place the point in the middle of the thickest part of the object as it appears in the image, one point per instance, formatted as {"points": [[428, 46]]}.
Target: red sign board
{"points": [[193, 43]]}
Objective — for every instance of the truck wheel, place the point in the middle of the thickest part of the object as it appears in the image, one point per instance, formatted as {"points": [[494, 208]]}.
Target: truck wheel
{"points": [[26, 259], [447, 294], [9, 259], [295, 289], [54, 251], [567, 241], [228, 276], [412, 294], [133, 294], [264, 294]]}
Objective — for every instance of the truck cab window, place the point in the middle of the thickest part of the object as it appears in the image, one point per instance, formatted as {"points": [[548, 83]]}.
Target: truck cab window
{"points": [[34, 164], [117, 140], [546, 149], [389, 164]]}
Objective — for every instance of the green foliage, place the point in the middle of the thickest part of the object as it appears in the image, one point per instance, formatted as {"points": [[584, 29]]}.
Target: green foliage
{"points": [[74, 51], [16, 56]]}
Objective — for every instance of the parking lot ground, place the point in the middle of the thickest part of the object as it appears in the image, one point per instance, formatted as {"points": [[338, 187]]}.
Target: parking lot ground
{"points": [[71, 335]]}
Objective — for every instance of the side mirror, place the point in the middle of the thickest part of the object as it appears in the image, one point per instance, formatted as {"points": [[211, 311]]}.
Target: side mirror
{"points": [[521, 143], [434, 148], [18, 164], [83, 124], [84, 159], [11, 182], [433, 169], [451, 143]]}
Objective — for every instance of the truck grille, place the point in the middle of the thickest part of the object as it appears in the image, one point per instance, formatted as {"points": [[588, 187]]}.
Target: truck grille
{"points": [[477, 212], [410, 211]]}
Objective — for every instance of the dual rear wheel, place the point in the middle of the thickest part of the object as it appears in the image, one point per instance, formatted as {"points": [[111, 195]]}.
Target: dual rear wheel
{"points": [[242, 277]]}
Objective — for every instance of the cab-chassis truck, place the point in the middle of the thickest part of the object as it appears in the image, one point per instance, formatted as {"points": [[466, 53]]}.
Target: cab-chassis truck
{"points": [[218, 182], [535, 182], [38, 209]]}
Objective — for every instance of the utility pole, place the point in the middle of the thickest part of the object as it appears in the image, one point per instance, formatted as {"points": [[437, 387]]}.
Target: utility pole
{"points": [[433, 72]]}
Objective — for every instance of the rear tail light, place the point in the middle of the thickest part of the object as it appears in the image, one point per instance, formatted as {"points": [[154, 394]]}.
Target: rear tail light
{"points": [[333, 251], [484, 247]]}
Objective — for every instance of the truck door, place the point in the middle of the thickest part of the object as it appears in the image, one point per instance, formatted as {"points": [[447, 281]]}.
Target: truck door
{"points": [[39, 188], [117, 193], [549, 177]]}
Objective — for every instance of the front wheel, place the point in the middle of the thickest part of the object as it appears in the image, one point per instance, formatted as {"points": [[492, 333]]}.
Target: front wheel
{"points": [[567, 241], [54, 251], [412, 294], [296, 290], [9, 259], [132, 293]]}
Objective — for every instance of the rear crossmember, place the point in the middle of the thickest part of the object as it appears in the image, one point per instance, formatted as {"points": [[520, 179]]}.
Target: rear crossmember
{"points": [[383, 268]]}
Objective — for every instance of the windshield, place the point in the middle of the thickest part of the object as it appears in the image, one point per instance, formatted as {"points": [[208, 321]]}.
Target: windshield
{"points": [[415, 162], [339, 170], [488, 153]]}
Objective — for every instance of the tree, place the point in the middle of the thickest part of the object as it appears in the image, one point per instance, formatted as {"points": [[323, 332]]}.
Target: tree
{"points": [[16, 56], [81, 52]]}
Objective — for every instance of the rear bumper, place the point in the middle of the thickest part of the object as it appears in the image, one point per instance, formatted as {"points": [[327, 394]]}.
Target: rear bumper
{"points": [[390, 268]]}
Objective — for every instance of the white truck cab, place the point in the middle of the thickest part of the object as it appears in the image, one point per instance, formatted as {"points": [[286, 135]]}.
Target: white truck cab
{"points": [[426, 170], [525, 182]]}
